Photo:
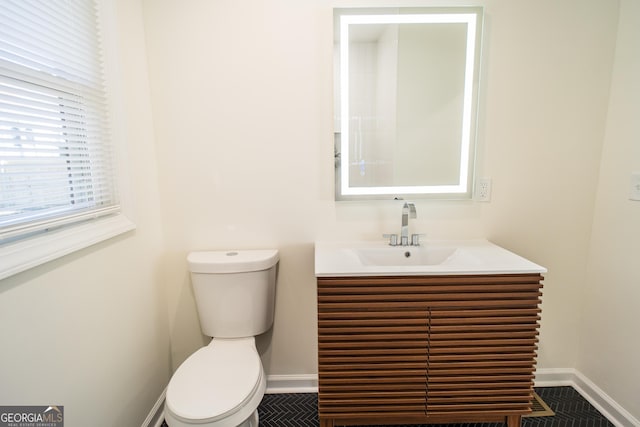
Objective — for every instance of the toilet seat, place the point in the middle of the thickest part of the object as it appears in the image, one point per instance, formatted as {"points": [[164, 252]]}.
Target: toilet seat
{"points": [[215, 382]]}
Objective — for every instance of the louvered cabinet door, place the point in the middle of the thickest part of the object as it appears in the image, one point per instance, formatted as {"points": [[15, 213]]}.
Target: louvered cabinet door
{"points": [[427, 349], [482, 347], [372, 350]]}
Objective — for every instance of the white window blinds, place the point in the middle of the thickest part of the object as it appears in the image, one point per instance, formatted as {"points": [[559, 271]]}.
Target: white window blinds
{"points": [[56, 165]]}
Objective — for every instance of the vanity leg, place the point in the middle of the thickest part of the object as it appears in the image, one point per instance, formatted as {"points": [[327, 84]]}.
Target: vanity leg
{"points": [[326, 422], [513, 420]]}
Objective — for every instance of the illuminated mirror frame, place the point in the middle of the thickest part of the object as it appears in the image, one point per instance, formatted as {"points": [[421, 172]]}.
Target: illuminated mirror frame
{"points": [[472, 17]]}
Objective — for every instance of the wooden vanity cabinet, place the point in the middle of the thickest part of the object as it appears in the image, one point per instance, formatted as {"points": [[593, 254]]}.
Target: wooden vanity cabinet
{"points": [[427, 349]]}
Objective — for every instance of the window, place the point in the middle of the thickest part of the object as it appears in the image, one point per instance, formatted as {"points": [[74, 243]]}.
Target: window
{"points": [[57, 162]]}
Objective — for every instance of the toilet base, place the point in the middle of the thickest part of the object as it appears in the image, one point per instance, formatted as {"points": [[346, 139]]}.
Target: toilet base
{"points": [[252, 421]]}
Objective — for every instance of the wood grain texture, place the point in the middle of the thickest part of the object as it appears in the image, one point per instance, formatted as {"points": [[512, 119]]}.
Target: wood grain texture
{"points": [[427, 349]]}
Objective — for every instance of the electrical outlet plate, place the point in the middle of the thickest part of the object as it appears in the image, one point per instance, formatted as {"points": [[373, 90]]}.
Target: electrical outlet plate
{"points": [[634, 187], [483, 190]]}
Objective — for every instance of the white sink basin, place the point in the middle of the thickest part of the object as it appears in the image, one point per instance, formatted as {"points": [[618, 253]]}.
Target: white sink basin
{"points": [[435, 257], [399, 255]]}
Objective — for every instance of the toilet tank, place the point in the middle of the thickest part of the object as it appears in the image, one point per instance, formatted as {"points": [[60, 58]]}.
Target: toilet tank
{"points": [[234, 291]]}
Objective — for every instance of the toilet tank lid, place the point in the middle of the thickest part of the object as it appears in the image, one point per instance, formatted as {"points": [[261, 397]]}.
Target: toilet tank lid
{"points": [[235, 261]]}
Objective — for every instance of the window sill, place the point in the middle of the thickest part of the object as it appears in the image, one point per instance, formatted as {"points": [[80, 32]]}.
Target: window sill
{"points": [[25, 254]]}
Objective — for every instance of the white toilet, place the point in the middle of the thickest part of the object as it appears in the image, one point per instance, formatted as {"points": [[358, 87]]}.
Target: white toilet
{"points": [[222, 384]]}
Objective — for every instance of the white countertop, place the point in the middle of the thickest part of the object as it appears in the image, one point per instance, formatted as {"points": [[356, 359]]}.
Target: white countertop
{"points": [[334, 259]]}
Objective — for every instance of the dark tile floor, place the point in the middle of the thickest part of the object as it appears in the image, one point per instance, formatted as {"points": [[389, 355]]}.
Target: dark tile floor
{"points": [[571, 409]]}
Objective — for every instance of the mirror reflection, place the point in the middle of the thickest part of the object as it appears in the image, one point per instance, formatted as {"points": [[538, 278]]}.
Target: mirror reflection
{"points": [[406, 82]]}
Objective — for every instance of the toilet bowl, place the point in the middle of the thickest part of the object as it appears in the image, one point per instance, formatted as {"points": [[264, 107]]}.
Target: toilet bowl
{"points": [[220, 385]]}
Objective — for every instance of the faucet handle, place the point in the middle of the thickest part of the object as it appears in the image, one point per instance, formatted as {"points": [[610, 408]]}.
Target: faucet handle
{"points": [[393, 239], [415, 239]]}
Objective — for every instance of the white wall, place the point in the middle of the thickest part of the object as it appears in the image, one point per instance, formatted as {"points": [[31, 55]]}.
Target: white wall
{"points": [[89, 331], [609, 344], [547, 83], [242, 102], [241, 94]]}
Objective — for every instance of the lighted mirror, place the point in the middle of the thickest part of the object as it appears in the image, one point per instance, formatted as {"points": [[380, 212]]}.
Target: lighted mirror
{"points": [[406, 83]]}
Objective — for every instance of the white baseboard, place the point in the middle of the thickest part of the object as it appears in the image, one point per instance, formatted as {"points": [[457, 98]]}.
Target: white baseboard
{"points": [[544, 378], [156, 415], [292, 384], [591, 392]]}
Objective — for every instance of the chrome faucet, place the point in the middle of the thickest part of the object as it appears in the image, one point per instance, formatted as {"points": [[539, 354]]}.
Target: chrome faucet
{"points": [[408, 211]]}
